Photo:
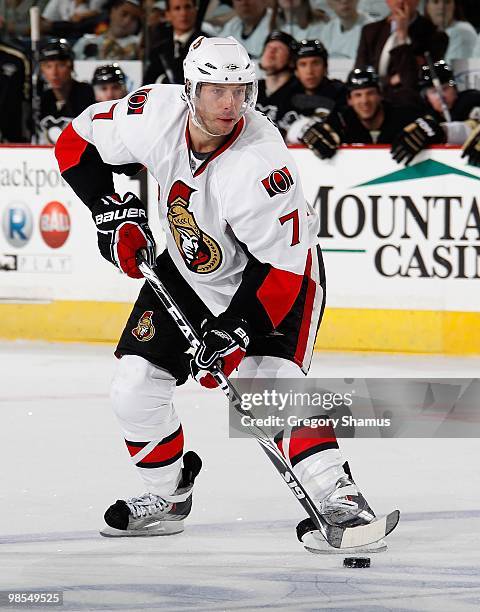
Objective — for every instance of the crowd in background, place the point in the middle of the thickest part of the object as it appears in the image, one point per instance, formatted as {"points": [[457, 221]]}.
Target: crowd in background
{"points": [[389, 96]]}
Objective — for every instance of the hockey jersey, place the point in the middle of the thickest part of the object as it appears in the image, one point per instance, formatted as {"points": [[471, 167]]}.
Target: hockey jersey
{"points": [[241, 208]]}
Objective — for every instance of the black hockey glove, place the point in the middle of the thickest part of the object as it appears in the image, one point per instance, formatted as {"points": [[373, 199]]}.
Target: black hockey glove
{"points": [[224, 338], [471, 147], [415, 137], [122, 229], [322, 139]]}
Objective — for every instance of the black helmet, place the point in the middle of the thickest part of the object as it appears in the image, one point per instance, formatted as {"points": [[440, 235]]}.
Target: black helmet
{"points": [[56, 49], [312, 48], [444, 74], [282, 37], [109, 73], [361, 78]]}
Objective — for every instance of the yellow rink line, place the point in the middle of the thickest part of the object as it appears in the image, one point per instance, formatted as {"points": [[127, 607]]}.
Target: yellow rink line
{"points": [[416, 331]]}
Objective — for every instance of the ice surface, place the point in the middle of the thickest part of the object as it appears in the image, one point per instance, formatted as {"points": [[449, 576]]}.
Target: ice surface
{"points": [[63, 462]]}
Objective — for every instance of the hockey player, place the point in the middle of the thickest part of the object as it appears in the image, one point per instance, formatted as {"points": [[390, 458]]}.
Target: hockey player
{"points": [[367, 118], [463, 114], [242, 260], [276, 89], [109, 83], [66, 98]]}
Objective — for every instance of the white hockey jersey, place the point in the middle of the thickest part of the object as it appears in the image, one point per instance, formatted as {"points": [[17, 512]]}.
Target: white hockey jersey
{"points": [[245, 199]]}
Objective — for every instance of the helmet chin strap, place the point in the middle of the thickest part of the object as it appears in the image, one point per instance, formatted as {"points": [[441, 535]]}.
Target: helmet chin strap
{"points": [[203, 128]]}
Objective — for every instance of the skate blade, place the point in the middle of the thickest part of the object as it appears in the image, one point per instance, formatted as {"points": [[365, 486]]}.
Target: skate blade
{"points": [[319, 546], [165, 528]]}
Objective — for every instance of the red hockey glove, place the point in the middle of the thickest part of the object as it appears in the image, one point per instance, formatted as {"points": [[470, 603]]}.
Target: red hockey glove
{"points": [[122, 229], [225, 339]]}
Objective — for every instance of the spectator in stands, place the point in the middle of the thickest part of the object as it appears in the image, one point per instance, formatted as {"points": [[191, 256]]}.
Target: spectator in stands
{"points": [[276, 89], [59, 12], [109, 83], [121, 41], [17, 16], [322, 10], [316, 93], [166, 58], [396, 46], [437, 126], [297, 18], [217, 14], [341, 34], [14, 93], [375, 9], [66, 98], [250, 26], [447, 15], [366, 118]]}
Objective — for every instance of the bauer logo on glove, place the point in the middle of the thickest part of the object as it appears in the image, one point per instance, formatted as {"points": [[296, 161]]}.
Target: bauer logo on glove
{"points": [[122, 230]]}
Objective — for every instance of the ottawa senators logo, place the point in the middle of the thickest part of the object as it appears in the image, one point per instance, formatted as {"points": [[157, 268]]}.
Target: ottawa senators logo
{"points": [[145, 329], [199, 250], [137, 101], [278, 181]]}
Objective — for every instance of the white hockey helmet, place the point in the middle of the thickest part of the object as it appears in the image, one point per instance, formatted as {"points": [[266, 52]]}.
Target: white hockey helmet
{"points": [[218, 60]]}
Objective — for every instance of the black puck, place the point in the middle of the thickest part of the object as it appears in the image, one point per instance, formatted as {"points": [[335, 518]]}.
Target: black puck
{"points": [[356, 562]]}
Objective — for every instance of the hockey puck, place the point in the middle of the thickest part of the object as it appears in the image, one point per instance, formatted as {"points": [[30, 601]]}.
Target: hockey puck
{"points": [[356, 562]]}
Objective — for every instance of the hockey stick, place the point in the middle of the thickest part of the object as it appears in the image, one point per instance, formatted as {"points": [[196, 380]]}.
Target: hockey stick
{"points": [[438, 87], [338, 537], [35, 39]]}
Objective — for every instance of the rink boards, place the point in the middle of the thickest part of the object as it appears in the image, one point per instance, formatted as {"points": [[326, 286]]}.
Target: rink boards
{"points": [[401, 249]]}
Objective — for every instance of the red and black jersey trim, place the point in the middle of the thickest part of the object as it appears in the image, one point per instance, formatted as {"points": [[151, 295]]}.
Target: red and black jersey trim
{"points": [[306, 441], [235, 133], [166, 452]]}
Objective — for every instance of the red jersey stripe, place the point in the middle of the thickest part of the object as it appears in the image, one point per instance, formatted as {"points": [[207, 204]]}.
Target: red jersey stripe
{"points": [[278, 293], [307, 314], [165, 450], [69, 148]]}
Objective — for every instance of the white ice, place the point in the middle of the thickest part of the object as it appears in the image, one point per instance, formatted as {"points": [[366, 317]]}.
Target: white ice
{"points": [[63, 462]]}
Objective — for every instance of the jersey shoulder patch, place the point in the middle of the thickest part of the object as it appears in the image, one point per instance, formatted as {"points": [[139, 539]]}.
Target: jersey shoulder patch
{"points": [[278, 181], [137, 100]]}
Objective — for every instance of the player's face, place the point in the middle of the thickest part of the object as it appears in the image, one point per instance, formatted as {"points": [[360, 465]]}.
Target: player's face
{"points": [[344, 8], [250, 9], [365, 102], [57, 73], [276, 56], [124, 20], [219, 107], [109, 91], [182, 15], [441, 11], [310, 71], [449, 93]]}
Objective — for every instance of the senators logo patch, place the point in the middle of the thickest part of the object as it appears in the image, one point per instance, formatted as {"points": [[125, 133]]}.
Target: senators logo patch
{"points": [[278, 181], [145, 329], [200, 252], [137, 101]]}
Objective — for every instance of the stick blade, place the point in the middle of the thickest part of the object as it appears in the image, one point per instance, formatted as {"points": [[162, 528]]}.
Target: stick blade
{"points": [[348, 537]]}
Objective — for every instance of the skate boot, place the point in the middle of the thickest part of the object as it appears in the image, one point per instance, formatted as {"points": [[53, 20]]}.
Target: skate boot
{"points": [[344, 506], [151, 515]]}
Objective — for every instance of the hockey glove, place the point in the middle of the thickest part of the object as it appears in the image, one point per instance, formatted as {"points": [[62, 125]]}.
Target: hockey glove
{"points": [[415, 137], [122, 229], [224, 339], [471, 147], [322, 139]]}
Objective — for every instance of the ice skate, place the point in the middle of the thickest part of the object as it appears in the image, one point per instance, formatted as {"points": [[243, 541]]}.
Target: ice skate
{"points": [[151, 515]]}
